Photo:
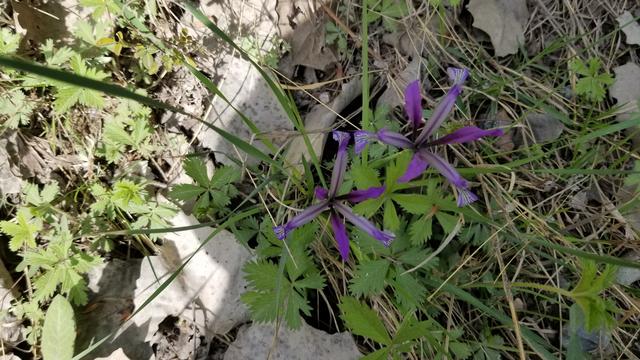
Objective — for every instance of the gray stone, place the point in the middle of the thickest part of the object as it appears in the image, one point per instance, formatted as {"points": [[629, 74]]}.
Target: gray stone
{"points": [[257, 340]]}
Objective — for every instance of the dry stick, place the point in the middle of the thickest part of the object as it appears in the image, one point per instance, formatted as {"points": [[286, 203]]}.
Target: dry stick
{"points": [[512, 309]]}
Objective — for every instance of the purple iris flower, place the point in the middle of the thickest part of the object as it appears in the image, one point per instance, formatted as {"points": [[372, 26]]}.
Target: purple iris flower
{"points": [[330, 200], [420, 141]]}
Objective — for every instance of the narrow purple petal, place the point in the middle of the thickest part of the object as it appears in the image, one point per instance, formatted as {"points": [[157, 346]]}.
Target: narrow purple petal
{"points": [[440, 113], [416, 167], [357, 196], [340, 165], [304, 217], [365, 225], [362, 138], [466, 134], [413, 103], [457, 76], [465, 197], [340, 233], [321, 193], [444, 168], [394, 139]]}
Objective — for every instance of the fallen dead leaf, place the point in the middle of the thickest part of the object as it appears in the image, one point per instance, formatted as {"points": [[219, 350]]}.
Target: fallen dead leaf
{"points": [[630, 27], [308, 46], [503, 20], [394, 94], [627, 275], [9, 179], [544, 127], [504, 121], [321, 117], [626, 90]]}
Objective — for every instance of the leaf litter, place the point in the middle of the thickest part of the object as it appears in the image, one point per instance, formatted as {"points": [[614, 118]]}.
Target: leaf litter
{"points": [[503, 20]]}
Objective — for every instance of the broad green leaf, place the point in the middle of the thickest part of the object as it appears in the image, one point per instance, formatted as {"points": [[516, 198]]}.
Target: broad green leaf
{"points": [[23, 230], [186, 192], [369, 278], [364, 176], [413, 203], [390, 219], [363, 321], [447, 221], [15, 109], [59, 330], [197, 170]]}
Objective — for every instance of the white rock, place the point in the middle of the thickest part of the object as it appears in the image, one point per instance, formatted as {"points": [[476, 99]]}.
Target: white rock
{"points": [[257, 340], [249, 93], [10, 328], [116, 355], [208, 289]]}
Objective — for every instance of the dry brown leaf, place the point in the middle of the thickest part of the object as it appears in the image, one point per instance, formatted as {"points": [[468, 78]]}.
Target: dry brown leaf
{"points": [[503, 20], [626, 88], [394, 94], [308, 46], [630, 27]]}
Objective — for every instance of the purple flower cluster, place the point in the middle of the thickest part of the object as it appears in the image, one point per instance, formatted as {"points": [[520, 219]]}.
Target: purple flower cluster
{"points": [[419, 141]]}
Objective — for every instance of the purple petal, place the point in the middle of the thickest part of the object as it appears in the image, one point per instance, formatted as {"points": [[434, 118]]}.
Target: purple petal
{"points": [[465, 197], [466, 134], [440, 114], [394, 139], [444, 168], [457, 76], [340, 165], [365, 225], [413, 103], [416, 167], [340, 233], [362, 138], [321, 193], [357, 196], [304, 217]]}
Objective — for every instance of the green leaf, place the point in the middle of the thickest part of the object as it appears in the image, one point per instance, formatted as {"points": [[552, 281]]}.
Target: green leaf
{"points": [[186, 192], [23, 230], [460, 350], [59, 330], [592, 84], [15, 109], [9, 41], [363, 321], [414, 203], [447, 221], [409, 291], [224, 175], [69, 95], [421, 230], [391, 220], [364, 176], [369, 277], [197, 170]]}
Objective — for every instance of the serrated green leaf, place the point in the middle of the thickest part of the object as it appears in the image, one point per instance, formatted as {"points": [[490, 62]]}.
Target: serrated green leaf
{"points": [[369, 278], [9, 41], [364, 176], [363, 321], [59, 330], [23, 230], [447, 221], [409, 291], [420, 230], [224, 175], [390, 219], [460, 350], [186, 192], [413, 203], [196, 169], [15, 109], [310, 281]]}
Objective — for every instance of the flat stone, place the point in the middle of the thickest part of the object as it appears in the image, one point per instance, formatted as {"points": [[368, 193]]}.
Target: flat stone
{"points": [[256, 340]]}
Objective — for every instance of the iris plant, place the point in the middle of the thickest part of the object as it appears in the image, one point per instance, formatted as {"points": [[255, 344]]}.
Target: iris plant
{"points": [[420, 142], [336, 205]]}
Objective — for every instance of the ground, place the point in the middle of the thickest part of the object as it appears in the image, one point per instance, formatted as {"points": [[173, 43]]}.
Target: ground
{"points": [[222, 113]]}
